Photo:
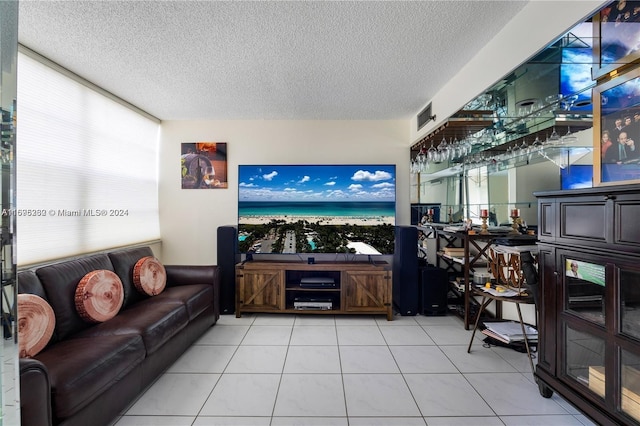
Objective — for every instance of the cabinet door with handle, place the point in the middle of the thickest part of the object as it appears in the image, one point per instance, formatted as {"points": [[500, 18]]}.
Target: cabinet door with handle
{"points": [[368, 291], [259, 289]]}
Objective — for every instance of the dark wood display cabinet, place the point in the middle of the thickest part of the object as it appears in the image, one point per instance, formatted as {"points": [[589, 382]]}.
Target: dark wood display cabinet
{"points": [[589, 326]]}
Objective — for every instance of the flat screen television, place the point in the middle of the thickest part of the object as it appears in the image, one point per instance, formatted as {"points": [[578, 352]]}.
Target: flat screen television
{"points": [[577, 176], [312, 208]]}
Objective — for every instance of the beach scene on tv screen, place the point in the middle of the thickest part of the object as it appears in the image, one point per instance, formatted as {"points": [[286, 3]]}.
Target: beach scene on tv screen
{"points": [[316, 208]]}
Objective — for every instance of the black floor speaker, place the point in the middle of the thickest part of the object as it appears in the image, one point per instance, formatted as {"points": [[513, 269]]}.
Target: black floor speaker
{"points": [[405, 271], [228, 257], [433, 291]]}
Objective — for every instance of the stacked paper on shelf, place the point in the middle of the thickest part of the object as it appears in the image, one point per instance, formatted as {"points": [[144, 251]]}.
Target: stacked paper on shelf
{"points": [[509, 331], [453, 228], [506, 292], [454, 251], [459, 285]]}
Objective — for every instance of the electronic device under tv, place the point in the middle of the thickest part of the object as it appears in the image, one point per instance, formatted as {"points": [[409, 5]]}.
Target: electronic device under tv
{"points": [[317, 282], [311, 208], [577, 176]]}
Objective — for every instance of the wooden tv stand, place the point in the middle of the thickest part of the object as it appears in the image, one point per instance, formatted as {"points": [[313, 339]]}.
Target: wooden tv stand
{"points": [[274, 286]]}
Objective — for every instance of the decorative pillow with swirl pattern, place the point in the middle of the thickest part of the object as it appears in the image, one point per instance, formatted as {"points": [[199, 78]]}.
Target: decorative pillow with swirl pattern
{"points": [[149, 276], [36, 322]]}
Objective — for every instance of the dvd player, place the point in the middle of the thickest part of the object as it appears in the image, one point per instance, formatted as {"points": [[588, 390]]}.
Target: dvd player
{"points": [[311, 303], [317, 282]]}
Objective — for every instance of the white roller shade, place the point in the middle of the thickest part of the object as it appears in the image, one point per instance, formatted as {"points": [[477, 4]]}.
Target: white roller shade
{"points": [[87, 168]]}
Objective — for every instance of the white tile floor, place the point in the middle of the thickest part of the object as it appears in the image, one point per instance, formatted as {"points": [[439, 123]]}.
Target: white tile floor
{"points": [[9, 401], [346, 370]]}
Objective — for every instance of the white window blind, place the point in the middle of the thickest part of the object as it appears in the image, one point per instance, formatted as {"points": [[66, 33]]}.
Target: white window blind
{"points": [[87, 168]]}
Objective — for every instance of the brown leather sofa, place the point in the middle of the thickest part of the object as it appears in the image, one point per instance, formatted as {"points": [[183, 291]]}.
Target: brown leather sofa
{"points": [[89, 373]]}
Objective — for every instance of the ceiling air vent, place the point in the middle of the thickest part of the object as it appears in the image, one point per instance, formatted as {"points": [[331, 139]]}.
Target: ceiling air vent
{"points": [[425, 116]]}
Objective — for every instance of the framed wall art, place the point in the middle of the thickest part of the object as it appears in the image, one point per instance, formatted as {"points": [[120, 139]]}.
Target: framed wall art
{"points": [[617, 130], [616, 31], [203, 165]]}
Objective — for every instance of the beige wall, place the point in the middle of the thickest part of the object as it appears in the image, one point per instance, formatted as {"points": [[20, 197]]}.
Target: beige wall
{"points": [[189, 218]]}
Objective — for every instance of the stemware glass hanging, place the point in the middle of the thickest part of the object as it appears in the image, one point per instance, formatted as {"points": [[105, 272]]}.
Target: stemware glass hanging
{"points": [[524, 149], [467, 146], [422, 158], [569, 138], [455, 149], [415, 163], [413, 167], [471, 139], [431, 153], [508, 154], [443, 151], [535, 147], [451, 151], [538, 108], [487, 137], [568, 101], [420, 163], [554, 137], [553, 100]]}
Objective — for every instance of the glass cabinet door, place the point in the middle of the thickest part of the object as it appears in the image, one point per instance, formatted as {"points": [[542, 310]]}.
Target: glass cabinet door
{"points": [[585, 316], [584, 359], [585, 285], [630, 385], [630, 303], [600, 327]]}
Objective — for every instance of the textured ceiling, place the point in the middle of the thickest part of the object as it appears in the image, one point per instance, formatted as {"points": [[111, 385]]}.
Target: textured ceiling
{"points": [[267, 59]]}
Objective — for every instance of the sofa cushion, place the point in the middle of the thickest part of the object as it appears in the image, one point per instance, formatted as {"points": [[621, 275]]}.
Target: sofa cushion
{"points": [[81, 369], [60, 281], [28, 282], [123, 263], [155, 322], [99, 296], [149, 276], [36, 322], [196, 297]]}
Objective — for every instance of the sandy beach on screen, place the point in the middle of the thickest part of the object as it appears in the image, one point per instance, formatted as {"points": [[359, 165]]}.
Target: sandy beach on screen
{"points": [[324, 220]]}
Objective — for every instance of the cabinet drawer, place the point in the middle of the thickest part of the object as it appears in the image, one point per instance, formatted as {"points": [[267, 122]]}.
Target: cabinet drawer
{"points": [[584, 220], [607, 219], [627, 218]]}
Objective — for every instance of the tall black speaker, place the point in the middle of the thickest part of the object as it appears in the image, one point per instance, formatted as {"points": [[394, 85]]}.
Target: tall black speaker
{"points": [[434, 289], [405, 271], [228, 257]]}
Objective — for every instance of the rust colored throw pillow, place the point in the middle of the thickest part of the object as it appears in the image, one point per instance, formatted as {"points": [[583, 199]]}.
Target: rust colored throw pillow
{"points": [[99, 296], [36, 322], [149, 276]]}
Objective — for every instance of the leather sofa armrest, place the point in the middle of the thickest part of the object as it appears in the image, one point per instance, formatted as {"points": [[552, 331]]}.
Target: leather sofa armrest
{"points": [[196, 274], [35, 393]]}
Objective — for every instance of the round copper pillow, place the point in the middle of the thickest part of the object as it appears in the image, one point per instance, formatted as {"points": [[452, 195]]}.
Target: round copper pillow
{"points": [[36, 322], [99, 296], [149, 276]]}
